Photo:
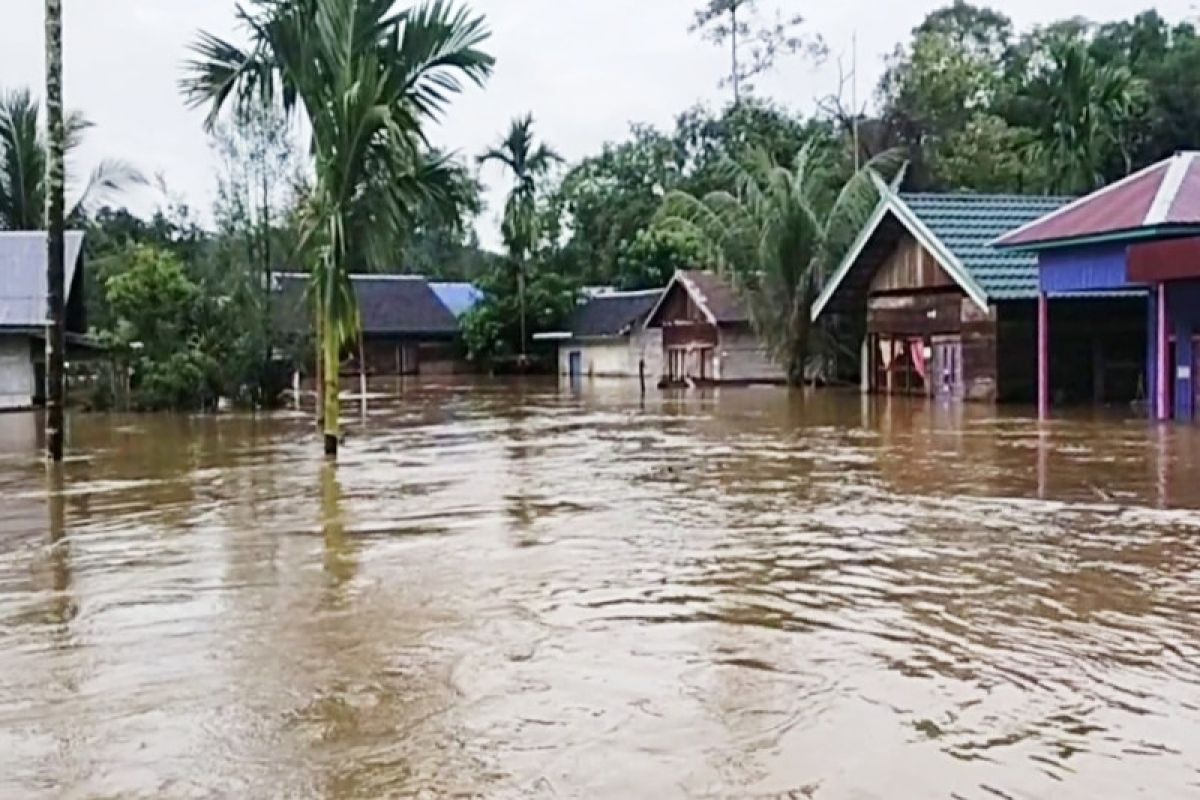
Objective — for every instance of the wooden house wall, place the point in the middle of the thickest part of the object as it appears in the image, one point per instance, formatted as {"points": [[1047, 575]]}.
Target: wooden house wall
{"points": [[912, 296], [743, 358], [979, 351], [677, 308], [910, 267], [685, 334], [396, 356]]}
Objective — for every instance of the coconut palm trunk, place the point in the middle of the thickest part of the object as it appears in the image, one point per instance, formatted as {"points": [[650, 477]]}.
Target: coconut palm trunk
{"points": [[330, 389], [366, 77], [55, 250]]}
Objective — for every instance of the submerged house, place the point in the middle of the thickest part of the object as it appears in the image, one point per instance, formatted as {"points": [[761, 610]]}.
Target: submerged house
{"points": [[607, 337], [23, 313], [706, 334], [1138, 238], [943, 313], [407, 329]]}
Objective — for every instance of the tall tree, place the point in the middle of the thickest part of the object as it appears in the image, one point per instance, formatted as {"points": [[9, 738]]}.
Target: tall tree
{"points": [[754, 44], [258, 179], [23, 167], [780, 233], [528, 162], [55, 250], [366, 78], [1080, 112], [942, 88]]}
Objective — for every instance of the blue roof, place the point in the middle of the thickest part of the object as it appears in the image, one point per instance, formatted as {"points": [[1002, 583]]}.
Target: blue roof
{"points": [[458, 297], [967, 223]]}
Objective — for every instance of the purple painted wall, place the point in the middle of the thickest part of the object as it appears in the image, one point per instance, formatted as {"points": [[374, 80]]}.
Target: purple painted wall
{"points": [[1183, 305], [1083, 269]]}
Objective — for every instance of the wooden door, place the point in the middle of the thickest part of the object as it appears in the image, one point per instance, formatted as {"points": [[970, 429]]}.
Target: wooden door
{"points": [[947, 367]]}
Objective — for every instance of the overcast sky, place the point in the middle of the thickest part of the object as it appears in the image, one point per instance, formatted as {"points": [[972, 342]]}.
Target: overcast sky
{"points": [[585, 68]]}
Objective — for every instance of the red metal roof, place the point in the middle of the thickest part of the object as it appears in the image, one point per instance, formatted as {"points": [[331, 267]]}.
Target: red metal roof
{"points": [[1163, 194]]}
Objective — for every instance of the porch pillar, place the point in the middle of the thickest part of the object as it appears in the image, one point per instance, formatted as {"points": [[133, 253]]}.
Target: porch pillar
{"points": [[866, 361], [1162, 399], [1151, 385], [1043, 365]]}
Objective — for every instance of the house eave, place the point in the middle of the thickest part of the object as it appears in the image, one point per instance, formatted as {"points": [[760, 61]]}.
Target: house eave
{"points": [[891, 202]]}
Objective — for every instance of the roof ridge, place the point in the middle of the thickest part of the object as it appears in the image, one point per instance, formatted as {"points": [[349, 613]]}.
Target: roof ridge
{"points": [[1168, 190], [968, 194], [628, 293]]}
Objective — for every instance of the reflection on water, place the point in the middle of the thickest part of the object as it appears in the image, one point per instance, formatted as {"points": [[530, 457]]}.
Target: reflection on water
{"points": [[517, 591]]}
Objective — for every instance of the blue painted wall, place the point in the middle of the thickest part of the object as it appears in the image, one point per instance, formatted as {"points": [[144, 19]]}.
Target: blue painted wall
{"points": [[1083, 269]]}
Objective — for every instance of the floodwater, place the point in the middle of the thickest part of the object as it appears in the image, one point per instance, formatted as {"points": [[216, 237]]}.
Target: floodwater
{"points": [[512, 591]]}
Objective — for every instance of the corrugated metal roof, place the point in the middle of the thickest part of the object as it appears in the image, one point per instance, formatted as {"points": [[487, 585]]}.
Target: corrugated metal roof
{"points": [[398, 305], [23, 276], [712, 292], [612, 314], [1156, 201], [967, 223]]}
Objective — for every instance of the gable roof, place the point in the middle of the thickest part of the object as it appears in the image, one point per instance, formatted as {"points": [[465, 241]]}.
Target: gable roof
{"points": [[957, 229], [23, 276], [612, 314], [459, 297], [395, 305], [712, 294], [1160, 201]]}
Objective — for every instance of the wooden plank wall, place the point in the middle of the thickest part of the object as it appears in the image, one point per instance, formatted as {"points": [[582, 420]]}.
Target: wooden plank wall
{"points": [[683, 334], [911, 295], [979, 351], [910, 267], [915, 314]]}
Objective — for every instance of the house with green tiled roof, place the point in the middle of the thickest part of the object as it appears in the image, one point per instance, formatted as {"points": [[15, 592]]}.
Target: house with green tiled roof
{"points": [[945, 312]]}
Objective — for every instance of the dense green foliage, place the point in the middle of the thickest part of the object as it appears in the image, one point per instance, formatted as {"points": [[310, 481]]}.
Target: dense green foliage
{"points": [[1064, 108], [181, 312]]}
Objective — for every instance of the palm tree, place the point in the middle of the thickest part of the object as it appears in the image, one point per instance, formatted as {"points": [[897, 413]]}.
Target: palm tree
{"points": [[55, 249], [24, 154], [779, 234], [366, 78], [528, 162], [1080, 111]]}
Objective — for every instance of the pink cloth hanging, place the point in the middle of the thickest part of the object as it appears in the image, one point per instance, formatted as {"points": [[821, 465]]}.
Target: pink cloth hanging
{"points": [[917, 348]]}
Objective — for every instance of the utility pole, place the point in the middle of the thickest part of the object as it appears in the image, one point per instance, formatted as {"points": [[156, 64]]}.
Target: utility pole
{"points": [[55, 249]]}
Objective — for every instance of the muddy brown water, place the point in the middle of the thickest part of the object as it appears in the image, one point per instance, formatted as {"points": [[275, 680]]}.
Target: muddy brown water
{"points": [[525, 591]]}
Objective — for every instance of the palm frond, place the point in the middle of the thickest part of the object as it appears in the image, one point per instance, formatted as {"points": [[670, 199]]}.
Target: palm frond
{"points": [[110, 178], [22, 163]]}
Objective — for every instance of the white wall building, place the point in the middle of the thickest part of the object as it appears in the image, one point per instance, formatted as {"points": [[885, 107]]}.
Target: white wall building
{"points": [[607, 338], [23, 311]]}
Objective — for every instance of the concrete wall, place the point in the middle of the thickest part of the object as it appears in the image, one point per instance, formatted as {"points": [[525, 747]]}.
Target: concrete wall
{"points": [[743, 358], [16, 372], [617, 357]]}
